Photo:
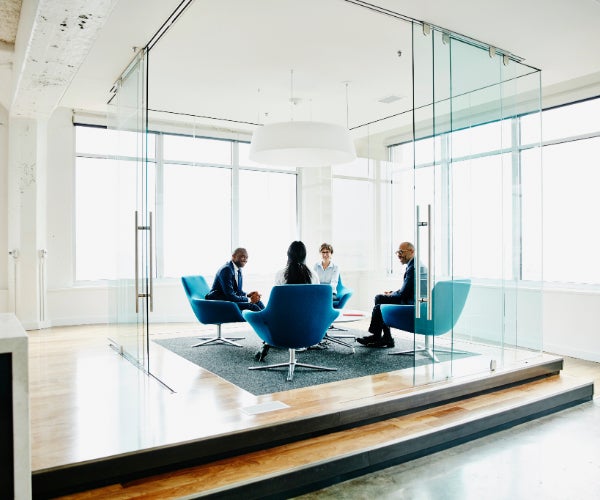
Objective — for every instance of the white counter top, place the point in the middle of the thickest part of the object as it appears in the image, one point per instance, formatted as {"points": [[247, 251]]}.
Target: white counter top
{"points": [[14, 341]]}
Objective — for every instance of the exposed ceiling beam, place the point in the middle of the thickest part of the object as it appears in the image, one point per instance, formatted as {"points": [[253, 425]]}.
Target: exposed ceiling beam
{"points": [[53, 40]]}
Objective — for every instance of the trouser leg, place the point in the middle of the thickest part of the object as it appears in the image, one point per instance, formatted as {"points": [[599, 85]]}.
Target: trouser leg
{"points": [[377, 326]]}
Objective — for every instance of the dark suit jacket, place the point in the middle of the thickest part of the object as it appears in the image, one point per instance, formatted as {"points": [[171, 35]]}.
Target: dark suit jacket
{"points": [[406, 294], [225, 287]]}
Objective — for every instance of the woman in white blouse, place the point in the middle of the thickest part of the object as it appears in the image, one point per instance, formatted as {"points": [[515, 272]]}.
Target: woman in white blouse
{"points": [[296, 272], [326, 270]]}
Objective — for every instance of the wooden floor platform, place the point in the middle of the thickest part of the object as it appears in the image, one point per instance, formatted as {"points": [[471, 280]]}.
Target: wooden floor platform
{"points": [[305, 464], [97, 421]]}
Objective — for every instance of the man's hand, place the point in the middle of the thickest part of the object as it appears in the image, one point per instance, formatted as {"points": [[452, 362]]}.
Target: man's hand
{"points": [[389, 292], [254, 296]]}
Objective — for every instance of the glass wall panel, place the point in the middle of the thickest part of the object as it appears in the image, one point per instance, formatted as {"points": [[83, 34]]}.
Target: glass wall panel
{"points": [[469, 181], [134, 187]]}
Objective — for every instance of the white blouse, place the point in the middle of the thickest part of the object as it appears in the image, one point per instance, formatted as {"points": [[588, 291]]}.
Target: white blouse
{"points": [[280, 278], [331, 275]]}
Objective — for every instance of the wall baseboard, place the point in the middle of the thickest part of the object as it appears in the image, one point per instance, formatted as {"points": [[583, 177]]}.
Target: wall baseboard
{"points": [[565, 350]]}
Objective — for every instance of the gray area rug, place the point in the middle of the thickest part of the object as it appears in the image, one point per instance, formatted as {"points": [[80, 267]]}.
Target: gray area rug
{"points": [[231, 363]]}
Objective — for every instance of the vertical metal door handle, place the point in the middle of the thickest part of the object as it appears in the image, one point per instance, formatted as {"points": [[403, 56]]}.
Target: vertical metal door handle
{"points": [[151, 294], [137, 288], [430, 262], [418, 258]]}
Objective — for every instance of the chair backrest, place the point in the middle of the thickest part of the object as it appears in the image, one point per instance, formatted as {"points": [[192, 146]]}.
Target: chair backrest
{"points": [[296, 316], [195, 287], [343, 294], [448, 298]]}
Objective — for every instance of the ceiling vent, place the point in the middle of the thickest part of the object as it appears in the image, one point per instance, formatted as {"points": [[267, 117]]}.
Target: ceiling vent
{"points": [[390, 99]]}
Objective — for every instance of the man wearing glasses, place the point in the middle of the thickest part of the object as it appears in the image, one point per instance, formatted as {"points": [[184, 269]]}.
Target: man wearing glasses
{"points": [[381, 335]]}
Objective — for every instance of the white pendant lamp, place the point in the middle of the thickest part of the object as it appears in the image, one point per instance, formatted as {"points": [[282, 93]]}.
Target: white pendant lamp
{"points": [[302, 144]]}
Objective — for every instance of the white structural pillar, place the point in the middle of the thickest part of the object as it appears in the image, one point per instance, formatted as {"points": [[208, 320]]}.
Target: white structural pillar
{"points": [[27, 220]]}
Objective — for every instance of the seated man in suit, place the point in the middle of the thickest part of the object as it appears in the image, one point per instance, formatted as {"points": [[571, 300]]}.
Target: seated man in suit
{"points": [[405, 295], [228, 284]]}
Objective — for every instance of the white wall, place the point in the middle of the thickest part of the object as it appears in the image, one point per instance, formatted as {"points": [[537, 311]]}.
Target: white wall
{"points": [[572, 323], [60, 209]]}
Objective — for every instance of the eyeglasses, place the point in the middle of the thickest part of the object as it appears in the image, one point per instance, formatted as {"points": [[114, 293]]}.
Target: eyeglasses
{"points": [[400, 252]]}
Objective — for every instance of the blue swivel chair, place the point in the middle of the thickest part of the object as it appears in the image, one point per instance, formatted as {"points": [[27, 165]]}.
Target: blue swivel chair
{"points": [[448, 301], [211, 312], [296, 316], [343, 294]]}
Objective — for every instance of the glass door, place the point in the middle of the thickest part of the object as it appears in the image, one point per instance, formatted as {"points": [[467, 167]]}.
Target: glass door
{"points": [[433, 224], [470, 209], [131, 293]]}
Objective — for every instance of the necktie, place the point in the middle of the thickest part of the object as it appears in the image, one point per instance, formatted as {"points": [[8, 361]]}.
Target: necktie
{"points": [[239, 279]]}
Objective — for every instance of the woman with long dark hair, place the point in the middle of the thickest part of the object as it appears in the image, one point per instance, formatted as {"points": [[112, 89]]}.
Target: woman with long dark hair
{"points": [[296, 272]]}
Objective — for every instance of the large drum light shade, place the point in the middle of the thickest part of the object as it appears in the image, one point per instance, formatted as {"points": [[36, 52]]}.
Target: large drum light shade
{"points": [[302, 144]]}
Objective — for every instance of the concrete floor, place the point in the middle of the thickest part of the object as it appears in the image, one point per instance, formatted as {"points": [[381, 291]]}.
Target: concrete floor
{"points": [[555, 457]]}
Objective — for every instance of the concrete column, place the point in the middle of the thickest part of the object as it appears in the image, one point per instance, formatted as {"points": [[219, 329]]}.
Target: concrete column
{"points": [[6, 259], [27, 219]]}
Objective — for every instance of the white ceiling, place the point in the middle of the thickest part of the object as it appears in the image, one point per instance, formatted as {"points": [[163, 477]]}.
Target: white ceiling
{"points": [[232, 58]]}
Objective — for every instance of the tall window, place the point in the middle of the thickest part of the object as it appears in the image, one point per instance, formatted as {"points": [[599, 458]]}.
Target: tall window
{"points": [[203, 200], [486, 166], [105, 180]]}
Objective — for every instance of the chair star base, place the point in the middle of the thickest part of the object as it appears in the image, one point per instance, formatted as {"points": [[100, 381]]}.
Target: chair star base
{"points": [[428, 351], [338, 339], [413, 352], [219, 339], [291, 364]]}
